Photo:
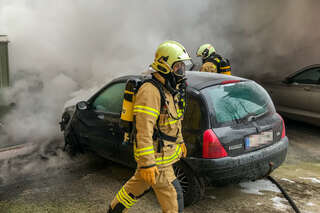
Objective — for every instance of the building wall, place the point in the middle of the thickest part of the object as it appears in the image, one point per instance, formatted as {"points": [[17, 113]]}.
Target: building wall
{"points": [[4, 64]]}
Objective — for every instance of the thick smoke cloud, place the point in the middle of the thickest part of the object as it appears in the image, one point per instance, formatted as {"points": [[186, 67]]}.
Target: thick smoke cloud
{"points": [[272, 39], [59, 47]]}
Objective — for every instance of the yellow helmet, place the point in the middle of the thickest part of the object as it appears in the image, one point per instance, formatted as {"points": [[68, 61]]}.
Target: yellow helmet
{"points": [[167, 54], [205, 51]]}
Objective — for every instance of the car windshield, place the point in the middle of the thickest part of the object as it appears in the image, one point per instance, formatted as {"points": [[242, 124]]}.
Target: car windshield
{"points": [[238, 101]]}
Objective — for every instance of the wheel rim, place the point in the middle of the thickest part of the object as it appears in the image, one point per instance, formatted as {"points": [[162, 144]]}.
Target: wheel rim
{"points": [[183, 179]]}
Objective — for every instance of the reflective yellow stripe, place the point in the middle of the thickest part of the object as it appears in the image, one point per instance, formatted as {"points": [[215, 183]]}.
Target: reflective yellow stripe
{"points": [[122, 202], [169, 159], [226, 73], [224, 68], [148, 108], [136, 157], [177, 150], [133, 201], [142, 149], [149, 113], [125, 200], [129, 92], [169, 122], [144, 153]]}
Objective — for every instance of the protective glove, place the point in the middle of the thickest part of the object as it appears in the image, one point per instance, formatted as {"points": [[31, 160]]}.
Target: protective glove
{"points": [[184, 150], [149, 174]]}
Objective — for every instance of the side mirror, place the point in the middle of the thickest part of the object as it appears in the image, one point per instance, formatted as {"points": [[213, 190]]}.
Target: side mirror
{"points": [[82, 105], [287, 81]]}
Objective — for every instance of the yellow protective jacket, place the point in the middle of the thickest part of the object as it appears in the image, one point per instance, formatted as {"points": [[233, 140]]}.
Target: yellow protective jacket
{"points": [[208, 67], [211, 66], [148, 111]]}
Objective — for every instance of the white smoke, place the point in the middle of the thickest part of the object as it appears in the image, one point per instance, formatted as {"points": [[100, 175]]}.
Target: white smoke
{"points": [[59, 47]]}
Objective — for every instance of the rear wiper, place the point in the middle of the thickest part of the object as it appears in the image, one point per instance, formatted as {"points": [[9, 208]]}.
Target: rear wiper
{"points": [[253, 116]]}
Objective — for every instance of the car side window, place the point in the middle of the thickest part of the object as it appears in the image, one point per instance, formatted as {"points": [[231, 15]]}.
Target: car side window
{"points": [[192, 117], [110, 100], [311, 76]]}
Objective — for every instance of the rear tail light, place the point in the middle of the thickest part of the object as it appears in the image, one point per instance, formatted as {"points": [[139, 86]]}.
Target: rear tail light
{"points": [[283, 134], [212, 147]]}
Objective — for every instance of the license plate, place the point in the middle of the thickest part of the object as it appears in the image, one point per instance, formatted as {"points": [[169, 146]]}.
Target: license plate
{"points": [[257, 140]]}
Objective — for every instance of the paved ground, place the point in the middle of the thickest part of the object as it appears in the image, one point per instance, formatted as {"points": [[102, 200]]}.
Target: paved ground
{"points": [[52, 182]]}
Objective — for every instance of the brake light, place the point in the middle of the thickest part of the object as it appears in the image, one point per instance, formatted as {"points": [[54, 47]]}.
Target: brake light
{"points": [[230, 82], [212, 147], [283, 134]]}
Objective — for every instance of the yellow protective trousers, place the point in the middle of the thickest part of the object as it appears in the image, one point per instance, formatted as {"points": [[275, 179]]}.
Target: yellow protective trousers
{"points": [[167, 189]]}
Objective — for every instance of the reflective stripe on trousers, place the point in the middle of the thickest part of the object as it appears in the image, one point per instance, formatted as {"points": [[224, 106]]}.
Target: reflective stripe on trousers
{"points": [[167, 189]]}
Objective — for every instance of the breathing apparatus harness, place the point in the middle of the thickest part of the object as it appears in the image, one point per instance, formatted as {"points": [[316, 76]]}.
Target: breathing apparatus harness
{"points": [[171, 82], [181, 91], [222, 64], [127, 121]]}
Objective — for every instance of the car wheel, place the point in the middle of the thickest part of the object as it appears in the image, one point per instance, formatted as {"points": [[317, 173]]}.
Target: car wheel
{"points": [[72, 145], [192, 187]]}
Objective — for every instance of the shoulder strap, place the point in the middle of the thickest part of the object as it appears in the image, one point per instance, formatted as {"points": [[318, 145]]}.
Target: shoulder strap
{"points": [[212, 58], [158, 85], [158, 134], [218, 56]]}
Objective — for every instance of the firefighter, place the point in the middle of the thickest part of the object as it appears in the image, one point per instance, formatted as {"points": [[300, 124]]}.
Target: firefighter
{"points": [[158, 140], [213, 62]]}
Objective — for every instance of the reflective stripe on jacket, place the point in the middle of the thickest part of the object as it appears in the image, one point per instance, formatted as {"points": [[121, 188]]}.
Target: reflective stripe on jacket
{"points": [[147, 111]]}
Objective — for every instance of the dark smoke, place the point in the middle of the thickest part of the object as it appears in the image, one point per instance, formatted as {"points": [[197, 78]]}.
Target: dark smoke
{"points": [[272, 39]]}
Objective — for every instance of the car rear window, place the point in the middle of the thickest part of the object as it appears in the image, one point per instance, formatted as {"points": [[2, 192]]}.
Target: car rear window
{"points": [[235, 101]]}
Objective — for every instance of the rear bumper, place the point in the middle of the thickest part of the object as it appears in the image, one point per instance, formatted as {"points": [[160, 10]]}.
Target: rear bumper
{"points": [[250, 166]]}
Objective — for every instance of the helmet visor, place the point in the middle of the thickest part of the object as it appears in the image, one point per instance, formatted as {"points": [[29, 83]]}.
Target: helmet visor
{"points": [[179, 68]]}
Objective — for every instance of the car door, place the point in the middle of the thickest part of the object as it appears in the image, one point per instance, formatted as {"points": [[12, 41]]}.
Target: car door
{"points": [[194, 123], [315, 98], [309, 81], [102, 120], [288, 97], [291, 96]]}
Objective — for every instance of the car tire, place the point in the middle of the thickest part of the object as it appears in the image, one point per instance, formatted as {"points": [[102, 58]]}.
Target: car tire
{"points": [[72, 145], [193, 187]]}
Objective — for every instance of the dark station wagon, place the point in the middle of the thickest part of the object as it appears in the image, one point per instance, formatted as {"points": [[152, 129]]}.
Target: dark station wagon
{"points": [[230, 127]]}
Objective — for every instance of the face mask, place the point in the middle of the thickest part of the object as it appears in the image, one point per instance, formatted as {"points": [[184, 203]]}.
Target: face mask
{"points": [[180, 72]]}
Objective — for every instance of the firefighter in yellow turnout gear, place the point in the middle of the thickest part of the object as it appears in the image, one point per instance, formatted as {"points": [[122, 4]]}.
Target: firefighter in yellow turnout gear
{"points": [[158, 140], [213, 62]]}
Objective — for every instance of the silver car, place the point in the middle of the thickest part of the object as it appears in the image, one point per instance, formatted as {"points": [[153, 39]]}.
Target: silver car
{"points": [[298, 95]]}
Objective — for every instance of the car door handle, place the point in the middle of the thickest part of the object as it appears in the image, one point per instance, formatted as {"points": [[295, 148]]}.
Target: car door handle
{"points": [[100, 116], [307, 88]]}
